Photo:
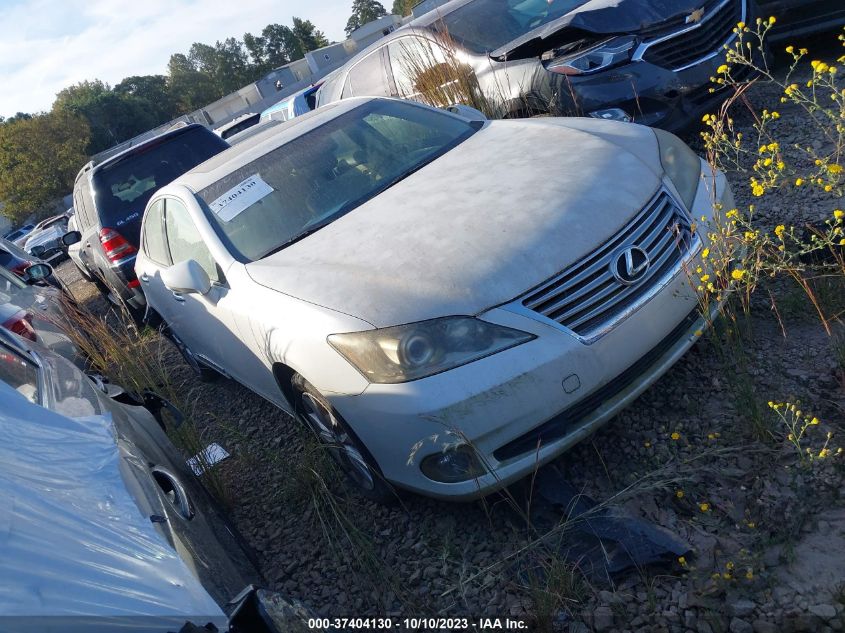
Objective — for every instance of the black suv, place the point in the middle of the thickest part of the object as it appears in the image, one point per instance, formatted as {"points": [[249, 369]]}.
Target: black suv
{"points": [[110, 197]]}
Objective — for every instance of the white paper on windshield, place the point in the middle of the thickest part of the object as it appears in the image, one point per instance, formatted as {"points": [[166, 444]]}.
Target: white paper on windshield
{"points": [[240, 197]]}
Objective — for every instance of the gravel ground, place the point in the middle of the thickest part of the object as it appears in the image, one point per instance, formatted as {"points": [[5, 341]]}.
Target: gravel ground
{"points": [[769, 549]]}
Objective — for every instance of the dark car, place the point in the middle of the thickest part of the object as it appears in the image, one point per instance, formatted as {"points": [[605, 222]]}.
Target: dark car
{"points": [[802, 17], [644, 60], [109, 199]]}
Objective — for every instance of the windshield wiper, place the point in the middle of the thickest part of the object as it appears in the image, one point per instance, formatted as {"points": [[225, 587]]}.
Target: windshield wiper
{"points": [[308, 230]]}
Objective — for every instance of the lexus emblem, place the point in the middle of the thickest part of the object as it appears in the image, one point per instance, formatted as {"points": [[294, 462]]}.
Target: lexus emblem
{"points": [[695, 16], [630, 265]]}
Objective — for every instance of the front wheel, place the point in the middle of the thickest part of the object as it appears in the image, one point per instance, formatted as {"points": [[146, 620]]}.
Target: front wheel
{"points": [[347, 451]]}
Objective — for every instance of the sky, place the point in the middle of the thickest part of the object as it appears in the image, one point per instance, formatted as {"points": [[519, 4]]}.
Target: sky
{"points": [[47, 45]]}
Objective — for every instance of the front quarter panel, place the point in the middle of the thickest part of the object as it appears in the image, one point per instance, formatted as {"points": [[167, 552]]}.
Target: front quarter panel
{"points": [[278, 328]]}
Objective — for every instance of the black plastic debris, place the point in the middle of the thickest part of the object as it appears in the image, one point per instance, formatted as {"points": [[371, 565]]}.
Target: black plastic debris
{"points": [[601, 541]]}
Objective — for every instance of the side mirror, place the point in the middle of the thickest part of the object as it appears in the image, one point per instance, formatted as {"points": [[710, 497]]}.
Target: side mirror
{"points": [[466, 111], [38, 272], [73, 237], [38, 251], [186, 277]]}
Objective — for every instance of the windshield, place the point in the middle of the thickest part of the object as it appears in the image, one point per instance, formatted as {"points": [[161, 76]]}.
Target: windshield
{"points": [[123, 189], [325, 173], [484, 26]]}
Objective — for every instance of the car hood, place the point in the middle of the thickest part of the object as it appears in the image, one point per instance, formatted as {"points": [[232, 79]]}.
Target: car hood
{"points": [[508, 208], [605, 17]]}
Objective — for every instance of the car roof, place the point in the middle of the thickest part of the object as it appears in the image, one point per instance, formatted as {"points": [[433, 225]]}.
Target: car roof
{"points": [[268, 140], [236, 120], [112, 160]]}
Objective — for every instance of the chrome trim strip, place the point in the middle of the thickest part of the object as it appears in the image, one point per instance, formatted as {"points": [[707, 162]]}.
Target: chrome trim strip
{"points": [[644, 46], [656, 285]]}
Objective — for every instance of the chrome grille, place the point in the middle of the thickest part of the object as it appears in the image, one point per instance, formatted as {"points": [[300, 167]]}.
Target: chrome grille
{"points": [[691, 44], [588, 299]]}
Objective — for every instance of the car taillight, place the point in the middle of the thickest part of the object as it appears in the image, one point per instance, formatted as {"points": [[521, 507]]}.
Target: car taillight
{"points": [[21, 324], [20, 269], [115, 245]]}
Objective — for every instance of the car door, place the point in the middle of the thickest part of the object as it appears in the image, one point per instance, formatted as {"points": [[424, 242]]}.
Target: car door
{"points": [[203, 322], [153, 257]]}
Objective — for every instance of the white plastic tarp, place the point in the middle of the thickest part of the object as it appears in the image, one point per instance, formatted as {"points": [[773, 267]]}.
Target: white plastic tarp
{"points": [[76, 554]]}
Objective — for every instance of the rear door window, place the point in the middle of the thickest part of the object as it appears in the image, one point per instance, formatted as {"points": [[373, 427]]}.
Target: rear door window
{"points": [[368, 77]]}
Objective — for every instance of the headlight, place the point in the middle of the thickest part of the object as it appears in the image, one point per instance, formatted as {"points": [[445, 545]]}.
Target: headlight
{"points": [[598, 57], [409, 352], [681, 164]]}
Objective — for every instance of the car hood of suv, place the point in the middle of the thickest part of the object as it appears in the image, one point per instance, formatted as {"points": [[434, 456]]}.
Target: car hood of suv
{"points": [[601, 17], [507, 209]]}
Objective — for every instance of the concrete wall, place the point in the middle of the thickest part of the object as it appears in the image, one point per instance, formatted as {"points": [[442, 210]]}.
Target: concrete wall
{"points": [[330, 57], [375, 30]]}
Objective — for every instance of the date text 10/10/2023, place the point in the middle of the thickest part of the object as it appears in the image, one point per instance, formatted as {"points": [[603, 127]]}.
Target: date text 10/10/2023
{"points": [[417, 624]]}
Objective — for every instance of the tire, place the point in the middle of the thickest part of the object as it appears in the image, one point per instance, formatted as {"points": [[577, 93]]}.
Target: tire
{"points": [[353, 458], [202, 372]]}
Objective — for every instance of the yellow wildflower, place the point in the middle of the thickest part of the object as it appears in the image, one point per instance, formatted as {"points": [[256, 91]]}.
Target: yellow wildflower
{"points": [[682, 561], [737, 274], [679, 494], [675, 436], [704, 507], [838, 214], [799, 182], [779, 230]]}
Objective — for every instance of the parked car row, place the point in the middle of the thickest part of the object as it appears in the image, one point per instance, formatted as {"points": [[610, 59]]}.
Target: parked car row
{"points": [[392, 273], [109, 200], [640, 60]]}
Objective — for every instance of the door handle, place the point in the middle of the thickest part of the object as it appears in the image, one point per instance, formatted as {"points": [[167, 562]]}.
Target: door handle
{"points": [[145, 278], [178, 297]]}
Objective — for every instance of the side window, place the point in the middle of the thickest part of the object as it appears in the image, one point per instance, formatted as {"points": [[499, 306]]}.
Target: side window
{"points": [[419, 66], [20, 374], [184, 240], [154, 244], [368, 78], [81, 219]]}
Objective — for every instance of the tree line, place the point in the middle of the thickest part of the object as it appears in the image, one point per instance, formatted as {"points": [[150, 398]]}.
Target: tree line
{"points": [[41, 153]]}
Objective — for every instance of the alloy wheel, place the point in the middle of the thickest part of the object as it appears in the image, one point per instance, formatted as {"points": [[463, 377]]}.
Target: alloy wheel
{"points": [[332, 433]]}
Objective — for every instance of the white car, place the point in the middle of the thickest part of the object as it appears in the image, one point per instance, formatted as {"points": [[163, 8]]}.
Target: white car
{"points": [[449, 302]]}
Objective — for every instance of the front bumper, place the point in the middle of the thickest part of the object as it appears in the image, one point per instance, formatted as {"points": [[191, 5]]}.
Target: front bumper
{"points": [[557, 389], [650, 94]]}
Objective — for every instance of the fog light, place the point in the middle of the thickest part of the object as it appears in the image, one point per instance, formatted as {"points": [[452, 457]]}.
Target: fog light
{"points": [[453, 465], [612, 114]]}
